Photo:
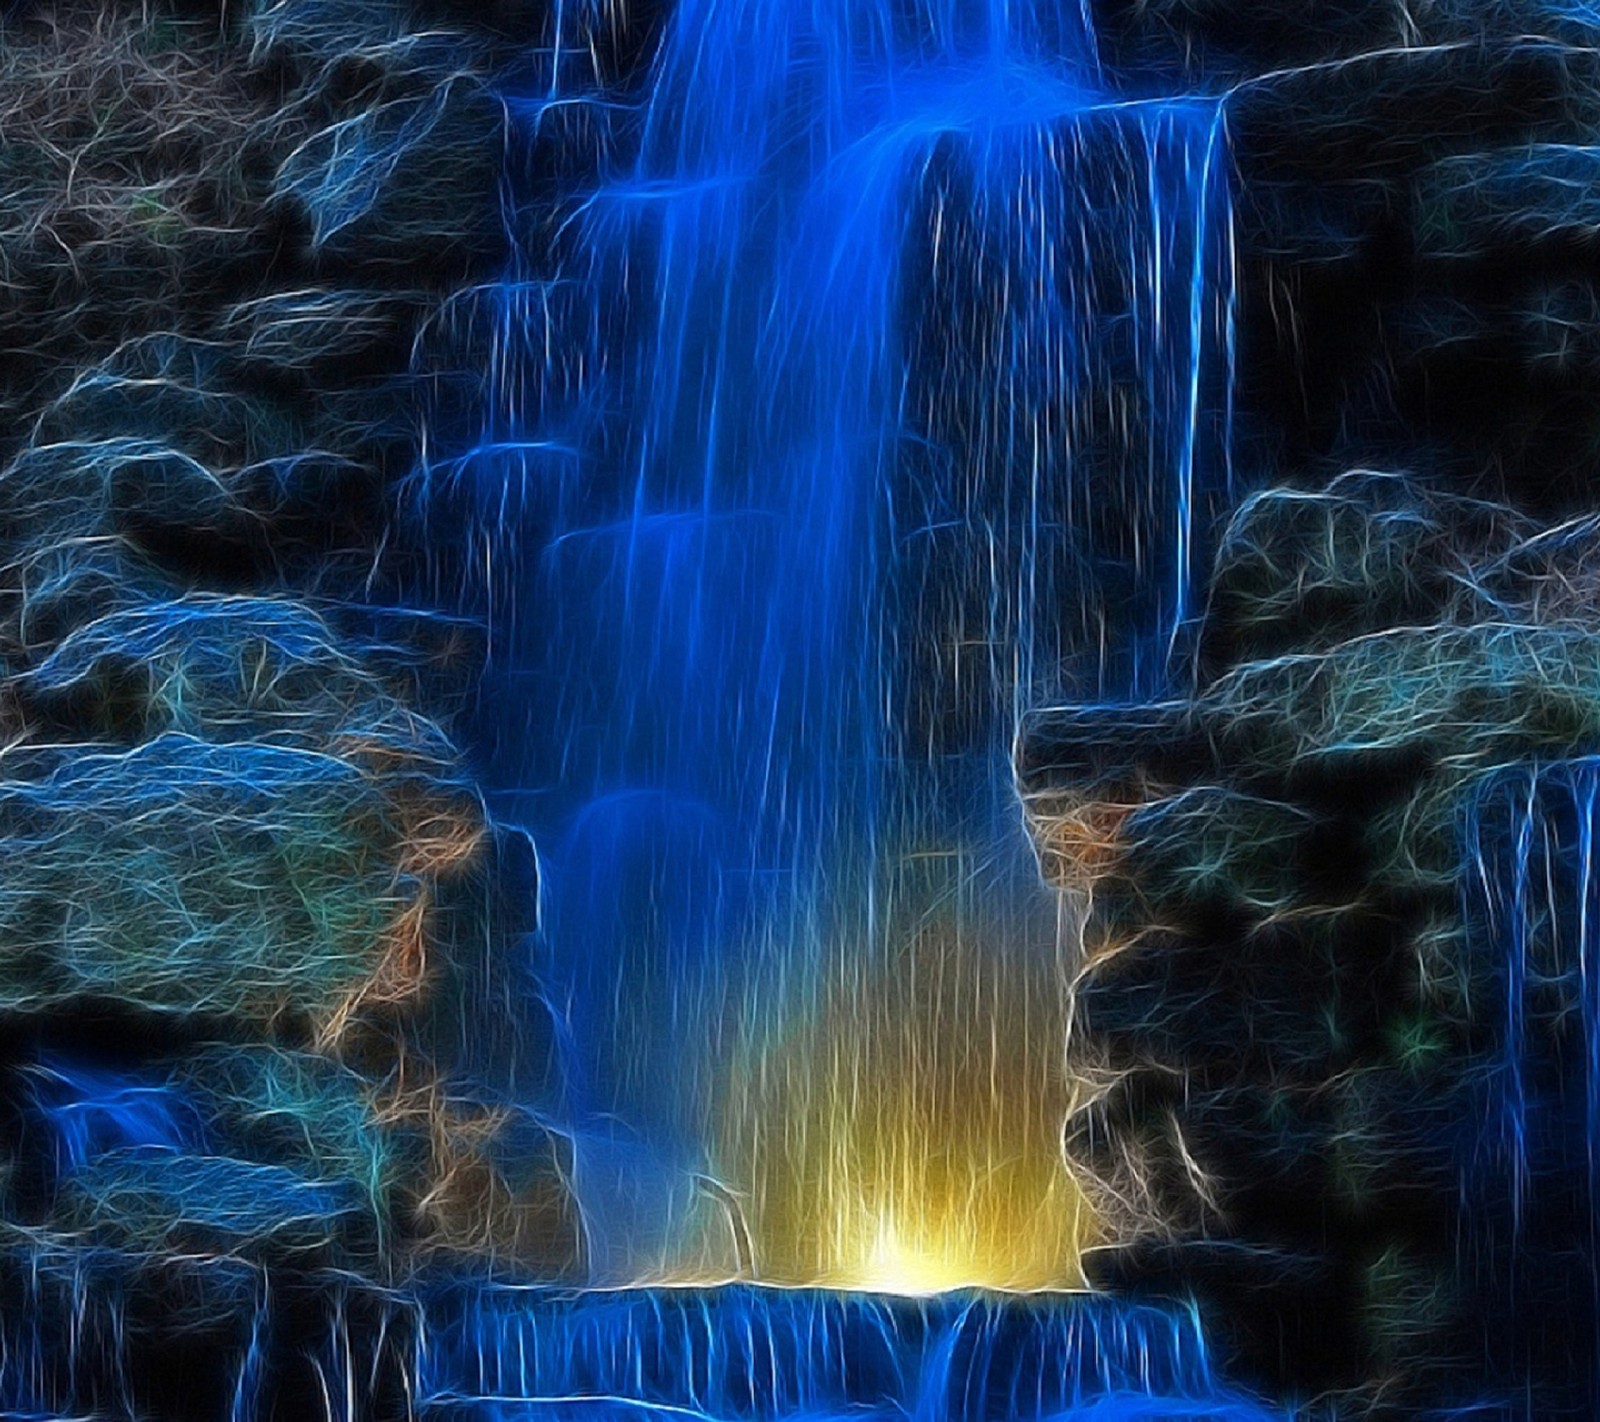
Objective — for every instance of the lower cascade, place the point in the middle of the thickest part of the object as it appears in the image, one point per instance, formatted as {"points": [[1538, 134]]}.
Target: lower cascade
{"points": [[749, 1353]]}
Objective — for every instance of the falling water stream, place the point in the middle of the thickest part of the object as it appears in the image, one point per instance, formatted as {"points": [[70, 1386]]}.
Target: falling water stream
{"points": [[864, 397]]}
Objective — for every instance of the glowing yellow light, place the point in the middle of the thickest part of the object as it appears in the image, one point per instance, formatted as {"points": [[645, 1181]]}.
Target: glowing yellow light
{"points": [[896, 1125], [894, 1267]]}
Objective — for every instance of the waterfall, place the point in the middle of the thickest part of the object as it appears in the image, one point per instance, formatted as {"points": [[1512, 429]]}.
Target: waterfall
{"points": [[861, 385], [1528, 1163], [755, 1354]]}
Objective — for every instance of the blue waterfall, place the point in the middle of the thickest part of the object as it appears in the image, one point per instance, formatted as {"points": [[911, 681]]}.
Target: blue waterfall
{"points": [[865, 384], [1529, 1159], [858, 386], [757, 1354]]}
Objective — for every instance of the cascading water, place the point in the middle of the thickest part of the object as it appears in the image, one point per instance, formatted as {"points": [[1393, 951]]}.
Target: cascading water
{"points": [[1531, 1169], [872, 394], [759, 1354]]}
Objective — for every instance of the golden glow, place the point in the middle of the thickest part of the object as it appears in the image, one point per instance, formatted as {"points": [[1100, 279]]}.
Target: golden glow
{"points": [[900, 1130], [894, 1267]]}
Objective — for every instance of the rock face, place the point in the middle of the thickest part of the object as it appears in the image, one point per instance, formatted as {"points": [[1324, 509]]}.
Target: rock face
{"points": [[1275, 993], [243, 859], [1334, 1002], [1296, 979]]}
